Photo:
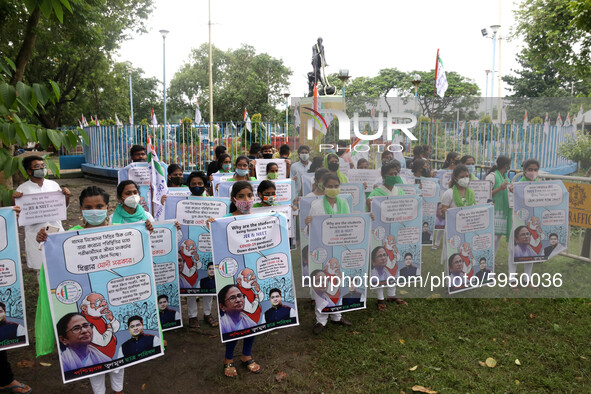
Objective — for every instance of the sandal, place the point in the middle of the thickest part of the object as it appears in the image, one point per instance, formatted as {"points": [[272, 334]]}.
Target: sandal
{"points": [[16, 388], [211, 320], [399, 301], [230, 370], [194, 322], [382, 305], [252, 366]]}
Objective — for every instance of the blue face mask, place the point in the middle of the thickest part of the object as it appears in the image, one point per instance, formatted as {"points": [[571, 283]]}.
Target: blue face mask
{"points": [[197, 190], [94, 217], [241, 172], [471, 168]]}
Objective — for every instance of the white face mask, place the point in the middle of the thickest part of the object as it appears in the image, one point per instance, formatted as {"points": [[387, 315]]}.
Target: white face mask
{"points": [[132, 201], [463, 182], [304, 156]]}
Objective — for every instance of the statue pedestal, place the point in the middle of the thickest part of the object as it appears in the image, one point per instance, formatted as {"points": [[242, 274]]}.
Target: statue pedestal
{"points": [[318, 131]]}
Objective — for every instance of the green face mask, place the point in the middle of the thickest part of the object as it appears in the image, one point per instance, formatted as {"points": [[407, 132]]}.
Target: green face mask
{"points": [[272, 175], [392, 180]]}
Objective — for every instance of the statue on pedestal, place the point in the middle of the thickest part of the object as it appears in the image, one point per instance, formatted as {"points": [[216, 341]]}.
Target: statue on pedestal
{"points": [[317, 75]]}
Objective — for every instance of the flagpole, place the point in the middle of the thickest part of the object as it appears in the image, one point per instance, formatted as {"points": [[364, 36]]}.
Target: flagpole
{"points": [[210, 90]]}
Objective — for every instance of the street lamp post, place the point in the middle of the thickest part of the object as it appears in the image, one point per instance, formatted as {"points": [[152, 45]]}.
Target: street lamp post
{"points": [[495, 29], [130, 95], [286, 95], [164, 33], [344, 77], [416, 81], [486, 94]]}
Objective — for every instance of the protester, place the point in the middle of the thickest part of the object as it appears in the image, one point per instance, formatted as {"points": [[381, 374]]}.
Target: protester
{"points": [[284, 154], [470, 164], [216, 165], [387, 156], [451, 160], [272, 171], [320, 285], [384, 268], [36, 170], [242, 172], [497, 176], [362, 164], [129, 209], [254, 151], [267, 151], [8, 383], [317, 186], [198, 183], [420, 168], [175, 175], [137, 154], [331, 162], [390, 172], [299, 168], [267, 193]]}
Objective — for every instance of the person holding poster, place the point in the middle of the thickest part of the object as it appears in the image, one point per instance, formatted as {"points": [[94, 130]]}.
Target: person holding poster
{"points": [[137, 154], [175, 175], [470, 164], [497, 175], [331, 204], [317, 186], [36, 170], [299, 168], [451, 161], [215, 165], [198, 184], [331, 162], [225, 164], [390, 178], [267, 193], [242, 170], [129, 209], [272, 170]]}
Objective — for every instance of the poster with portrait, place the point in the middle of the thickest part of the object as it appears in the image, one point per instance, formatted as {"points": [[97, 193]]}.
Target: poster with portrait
{"points": [[305, 204], [396, 229], [102, 295], [166, 274], [338, 261], [470, 238], [195, 263], [482, 191], [261, 168], [540, 220], [140, 174], [283, 189], [13, 319], [254, 275], [430, 196]]}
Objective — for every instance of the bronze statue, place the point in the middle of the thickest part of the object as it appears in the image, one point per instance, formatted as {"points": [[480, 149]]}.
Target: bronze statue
{"points": [[317, 75]]}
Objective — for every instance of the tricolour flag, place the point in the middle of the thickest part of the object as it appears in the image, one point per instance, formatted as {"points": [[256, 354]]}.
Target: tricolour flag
{"points": [[567, 121], [154, 121], [440, 77], [157, 180], [246, 120], [96, 122], [315, 97], [296, 114], [233, 125], [117, 121], [559, 121], [525, 121], [198, 117], [546, 124]]}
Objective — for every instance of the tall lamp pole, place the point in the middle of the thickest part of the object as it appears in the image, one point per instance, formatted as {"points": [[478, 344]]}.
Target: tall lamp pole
{"points": [[164, 33], [486, 94], [344, 77], [130, 95], [495, 29], [286, 95], [416, 81]]}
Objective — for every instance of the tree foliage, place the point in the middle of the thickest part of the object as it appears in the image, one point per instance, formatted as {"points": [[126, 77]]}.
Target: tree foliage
{"points": [[241, 79]]}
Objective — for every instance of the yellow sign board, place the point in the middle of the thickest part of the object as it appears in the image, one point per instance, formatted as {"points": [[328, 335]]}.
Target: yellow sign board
{"points": [[579, 207]]}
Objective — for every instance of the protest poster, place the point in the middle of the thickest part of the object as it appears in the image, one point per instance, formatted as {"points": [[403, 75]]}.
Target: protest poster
{"points": [[470, 238], [41, 207], [409, 189], [102, 295], [179, 191], [166, 273], [357, 193], [261, 168], [396, 229], [444, 176], [140, 174], [430, 196], [194, 240], [218, 178], [307, 181], [482, 191], [407, 176], [254, 275], [13, 320], [540, 220], [284, 189], [338, 261], [370, 178], [286, 211]]}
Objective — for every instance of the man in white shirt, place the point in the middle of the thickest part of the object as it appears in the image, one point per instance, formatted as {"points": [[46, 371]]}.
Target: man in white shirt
{"points": [[299, 168], [36, 170]]}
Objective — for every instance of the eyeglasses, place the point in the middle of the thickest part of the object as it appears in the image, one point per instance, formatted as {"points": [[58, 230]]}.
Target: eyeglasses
{"points": [[233, 298], [77, 329]]}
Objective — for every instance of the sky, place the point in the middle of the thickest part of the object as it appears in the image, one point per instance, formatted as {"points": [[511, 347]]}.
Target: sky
{"points": [[363, 37]]}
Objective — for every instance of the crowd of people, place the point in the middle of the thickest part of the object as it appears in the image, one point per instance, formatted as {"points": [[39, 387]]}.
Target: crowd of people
{"points": [[75, 330]]}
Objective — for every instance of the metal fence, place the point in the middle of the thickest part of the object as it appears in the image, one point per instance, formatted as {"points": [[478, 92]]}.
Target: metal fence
{"points": [[188, 144]]}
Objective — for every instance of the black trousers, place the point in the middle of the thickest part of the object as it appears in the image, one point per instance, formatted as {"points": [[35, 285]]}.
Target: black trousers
{"points": [[6, 376]]}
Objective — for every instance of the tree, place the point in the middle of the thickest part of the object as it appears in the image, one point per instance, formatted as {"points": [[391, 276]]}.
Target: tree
{"points": [[241, 79]]}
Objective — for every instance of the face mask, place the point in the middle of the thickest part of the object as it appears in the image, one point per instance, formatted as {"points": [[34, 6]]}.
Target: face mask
{"points": [[241, 172], [331, 151], [267, 155], [40, 173], [197, 190], [226, 166], [332, 193], [304, 156], [272, 175], [94, 217], [244, 206], [463, 182], [176, 180], [392, 180], [333, 166], [132, 201], [471, 168], [531, 175], [269, 200]]}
